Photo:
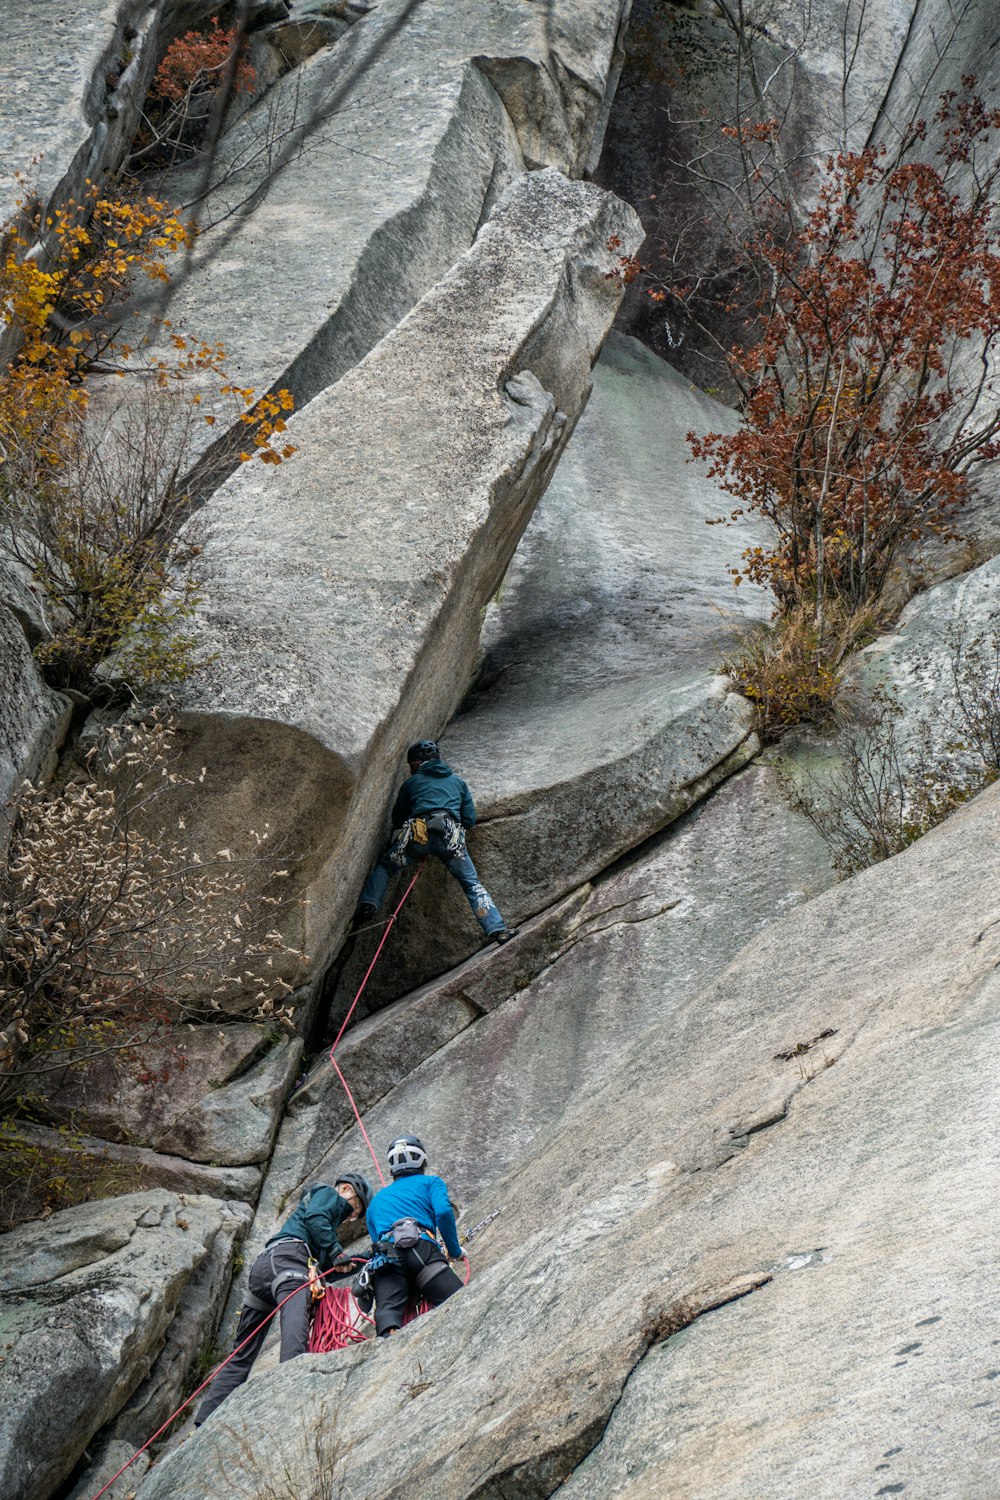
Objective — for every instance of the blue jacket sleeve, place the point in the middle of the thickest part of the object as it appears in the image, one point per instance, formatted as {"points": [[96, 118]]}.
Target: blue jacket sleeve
{"points": [[468, 813], [444, 1217]]}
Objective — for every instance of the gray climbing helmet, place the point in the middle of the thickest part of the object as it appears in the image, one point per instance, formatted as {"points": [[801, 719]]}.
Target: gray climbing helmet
{"points": [[361, 1186], [406, 1154], [421, 751]]}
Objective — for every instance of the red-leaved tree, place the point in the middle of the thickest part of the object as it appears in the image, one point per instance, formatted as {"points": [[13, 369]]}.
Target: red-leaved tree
{"points": [[868, 393]]}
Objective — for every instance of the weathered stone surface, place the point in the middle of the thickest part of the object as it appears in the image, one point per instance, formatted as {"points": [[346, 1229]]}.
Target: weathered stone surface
{"points": [[120, 1168], [598, 716], [55, 56], [188, 1346], [803, 1126], [321, 605], [33, 719], [86, 1299], [644, 941], [405, 139], [215, 1094], [382, 1050], [942, 666]]}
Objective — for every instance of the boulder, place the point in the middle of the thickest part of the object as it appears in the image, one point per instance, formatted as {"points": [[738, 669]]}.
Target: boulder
{"points": [[87, 1298], [322, 605], [33, 718], [212, 1094], [598, 715], [787, 1148]]}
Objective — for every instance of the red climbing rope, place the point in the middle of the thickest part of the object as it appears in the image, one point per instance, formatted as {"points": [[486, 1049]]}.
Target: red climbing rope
{"points": [[335, 1322], [207, 1381], [353, 1007]]}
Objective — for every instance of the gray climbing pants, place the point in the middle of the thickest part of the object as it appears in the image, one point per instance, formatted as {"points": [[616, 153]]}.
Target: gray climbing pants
{"points": [[282, 1258]]}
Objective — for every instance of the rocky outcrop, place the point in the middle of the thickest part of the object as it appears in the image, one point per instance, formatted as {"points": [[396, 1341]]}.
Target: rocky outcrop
{"points": [[322, 606], [33, 718], [212, 1094], [799, 1130], [361, 177], [598, 715], [92, 1302]]}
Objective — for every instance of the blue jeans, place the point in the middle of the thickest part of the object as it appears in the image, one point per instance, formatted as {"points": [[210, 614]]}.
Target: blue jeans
{"points": [[458, 864]]}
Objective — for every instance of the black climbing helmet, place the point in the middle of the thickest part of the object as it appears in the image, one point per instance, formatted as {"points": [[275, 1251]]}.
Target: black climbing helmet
{"points": [[421, 751], [361, 1186], [406, 1155]]}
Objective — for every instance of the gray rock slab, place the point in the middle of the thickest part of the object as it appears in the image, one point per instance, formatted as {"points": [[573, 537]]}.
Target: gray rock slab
{"points": [[598, 715], [731, 1146], [941, 664], [393, 146], [117, 1168], [190, 1344], [86, 1300], [380, 1051], [215, 1095], [33, 718], [333, 583], [640, 944]]}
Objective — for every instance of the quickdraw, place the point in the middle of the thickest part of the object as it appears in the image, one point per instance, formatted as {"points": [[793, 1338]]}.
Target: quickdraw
{"points": [[477, 1228]]}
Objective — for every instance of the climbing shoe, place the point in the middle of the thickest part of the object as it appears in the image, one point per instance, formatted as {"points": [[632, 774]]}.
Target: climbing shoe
{"points": [[504, 935], [365, 913]]}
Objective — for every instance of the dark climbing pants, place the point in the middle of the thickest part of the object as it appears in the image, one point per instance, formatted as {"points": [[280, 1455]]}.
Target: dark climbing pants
{"points": [[267, 1286], [456, 862], [422, 1273]]}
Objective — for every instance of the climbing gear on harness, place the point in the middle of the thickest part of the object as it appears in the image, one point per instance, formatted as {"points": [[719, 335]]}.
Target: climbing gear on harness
{"points": [[421, 751], [317, 1289], [406, 1154], [477, 1228], [362, 1287], [419, 830], [361, 1186], [407, 1232]]}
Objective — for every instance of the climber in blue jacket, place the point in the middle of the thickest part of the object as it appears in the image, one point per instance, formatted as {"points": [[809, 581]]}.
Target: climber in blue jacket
{"points": [[430, 816], [403, 1219]]}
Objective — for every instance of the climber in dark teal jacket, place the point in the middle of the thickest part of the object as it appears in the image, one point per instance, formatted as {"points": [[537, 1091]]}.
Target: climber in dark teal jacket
{"points": [[430, 815], [281, 1275]]}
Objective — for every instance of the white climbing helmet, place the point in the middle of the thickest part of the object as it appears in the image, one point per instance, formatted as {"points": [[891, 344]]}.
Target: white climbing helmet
{"points": [[406, 1154]]}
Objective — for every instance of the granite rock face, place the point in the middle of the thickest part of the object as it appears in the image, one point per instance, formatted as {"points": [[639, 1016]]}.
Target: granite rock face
{"points": [[597, 716], [215, 1094], [506, 1043], [322, 605], [789, 1145], [941, 665], [33, 718], [88, 1301], [361, 176]]}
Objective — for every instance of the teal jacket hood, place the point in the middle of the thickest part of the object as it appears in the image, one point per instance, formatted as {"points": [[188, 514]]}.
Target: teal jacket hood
{"points": [[434, 787]]}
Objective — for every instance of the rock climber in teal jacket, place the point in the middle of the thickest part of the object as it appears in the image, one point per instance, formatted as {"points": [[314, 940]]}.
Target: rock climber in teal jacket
{"points": [[403, 1219], [430, 815]]}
